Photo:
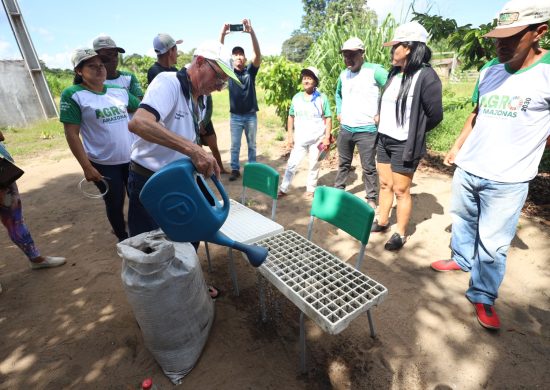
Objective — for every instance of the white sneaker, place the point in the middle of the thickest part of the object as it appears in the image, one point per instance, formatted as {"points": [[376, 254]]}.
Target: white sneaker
{"points": [[49, 262]]}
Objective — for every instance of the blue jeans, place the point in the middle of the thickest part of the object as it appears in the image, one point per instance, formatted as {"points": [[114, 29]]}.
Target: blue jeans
{"points": [[117, 178], [485, 214], [248, 123], [139, 220]]}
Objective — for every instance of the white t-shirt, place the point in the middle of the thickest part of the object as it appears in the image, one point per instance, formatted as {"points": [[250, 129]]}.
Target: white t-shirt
{"points": [[512, 125], [309, 114], [357, 95], [165, 96], [388, 119], [103, 120]]}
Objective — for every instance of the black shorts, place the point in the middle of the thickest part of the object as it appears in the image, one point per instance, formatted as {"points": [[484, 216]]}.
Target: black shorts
{"points": [[390, 151]]}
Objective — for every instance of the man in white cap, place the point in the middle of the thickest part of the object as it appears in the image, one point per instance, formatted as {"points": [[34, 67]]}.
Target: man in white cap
{"points": [[108, 51], [167, 123], [498, 152], [357, 93], [167, 55]]}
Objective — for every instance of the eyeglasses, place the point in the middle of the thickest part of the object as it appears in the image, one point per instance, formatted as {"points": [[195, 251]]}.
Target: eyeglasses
{"points": [[221, 78]]}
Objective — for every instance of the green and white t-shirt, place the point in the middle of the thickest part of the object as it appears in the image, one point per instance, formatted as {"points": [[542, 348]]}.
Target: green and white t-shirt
{"points": [[309, 114], [128, 81], [512, 124], [103, 120], [357, 97]]}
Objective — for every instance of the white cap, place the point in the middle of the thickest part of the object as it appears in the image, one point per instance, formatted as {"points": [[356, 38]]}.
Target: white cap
{"points": [[517, 15], [106, 42], [311, 71], [164, 42], [214, 50], [409, 32], [81, 55], [353, 44]]}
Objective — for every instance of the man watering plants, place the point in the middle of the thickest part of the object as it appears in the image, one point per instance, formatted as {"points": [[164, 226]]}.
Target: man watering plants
{"points": [[167, 123]]}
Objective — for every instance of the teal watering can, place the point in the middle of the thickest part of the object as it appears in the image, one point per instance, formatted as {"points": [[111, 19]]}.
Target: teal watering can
{"points": [[186, 209]]}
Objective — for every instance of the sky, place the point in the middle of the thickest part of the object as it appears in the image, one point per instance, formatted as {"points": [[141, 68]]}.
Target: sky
{"points": [[57, 27]]}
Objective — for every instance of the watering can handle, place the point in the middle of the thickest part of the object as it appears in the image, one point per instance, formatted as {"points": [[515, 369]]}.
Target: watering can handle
{"points": [[222, 192]]}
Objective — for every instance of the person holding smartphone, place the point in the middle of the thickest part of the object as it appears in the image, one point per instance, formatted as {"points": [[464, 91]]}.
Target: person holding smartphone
{"points": [[242, 100]]}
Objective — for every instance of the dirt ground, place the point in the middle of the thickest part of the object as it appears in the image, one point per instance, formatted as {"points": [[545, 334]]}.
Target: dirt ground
{"points": [[72, 327]]}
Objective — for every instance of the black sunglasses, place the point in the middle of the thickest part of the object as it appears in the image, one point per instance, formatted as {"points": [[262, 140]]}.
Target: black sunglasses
{"points": [[221, 78]]}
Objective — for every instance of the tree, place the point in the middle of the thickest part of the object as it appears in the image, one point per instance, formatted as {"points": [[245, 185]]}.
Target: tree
{"points": [[317, 13], [439, 29], [351, 11], [296, 47], [138, 65], [314, 17], [472, 48]]}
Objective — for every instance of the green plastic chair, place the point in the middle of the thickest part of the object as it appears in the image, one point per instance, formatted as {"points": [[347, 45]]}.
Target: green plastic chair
{"points": [[345, 211], [350, 214], [262, 178]]}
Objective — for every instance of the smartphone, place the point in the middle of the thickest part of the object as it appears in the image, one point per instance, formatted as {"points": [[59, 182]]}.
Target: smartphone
{"points": [[236, 27]]}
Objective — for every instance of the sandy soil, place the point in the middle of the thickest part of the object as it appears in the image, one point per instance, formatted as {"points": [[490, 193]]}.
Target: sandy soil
{"points": [[72, 327]]}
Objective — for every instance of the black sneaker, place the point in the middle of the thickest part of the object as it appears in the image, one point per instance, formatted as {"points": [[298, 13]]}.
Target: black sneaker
{"points": [[377, 228], [395, 242], [234, 175]]}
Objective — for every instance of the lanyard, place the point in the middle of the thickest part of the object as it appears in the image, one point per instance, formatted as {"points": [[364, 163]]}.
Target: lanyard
{"points": [[194, 108]]}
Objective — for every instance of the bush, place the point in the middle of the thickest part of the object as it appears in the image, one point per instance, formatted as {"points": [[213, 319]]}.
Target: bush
{"points": [[280, 80], [58, 80]]}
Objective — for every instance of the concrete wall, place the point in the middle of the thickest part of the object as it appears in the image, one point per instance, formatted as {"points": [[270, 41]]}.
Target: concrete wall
{"points": [[19, 104]]}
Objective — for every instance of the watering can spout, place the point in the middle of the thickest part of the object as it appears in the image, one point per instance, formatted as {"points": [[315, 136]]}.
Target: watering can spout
{"points": [[255, 254]]}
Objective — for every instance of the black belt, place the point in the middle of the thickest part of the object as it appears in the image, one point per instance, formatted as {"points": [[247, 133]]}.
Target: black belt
{"points": [[140, 170]]}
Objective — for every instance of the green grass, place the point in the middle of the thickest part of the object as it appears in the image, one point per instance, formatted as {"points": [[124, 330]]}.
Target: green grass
{"points": [[460, 89], [220, 101], [443, 136], [31, 141], [266, 116]]}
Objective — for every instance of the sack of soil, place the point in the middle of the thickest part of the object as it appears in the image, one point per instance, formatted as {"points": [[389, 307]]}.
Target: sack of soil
{"points": [[164, 284]]}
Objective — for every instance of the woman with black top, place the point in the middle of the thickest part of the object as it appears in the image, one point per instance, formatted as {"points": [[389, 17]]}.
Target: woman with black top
{"points": [[410, 105]]}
